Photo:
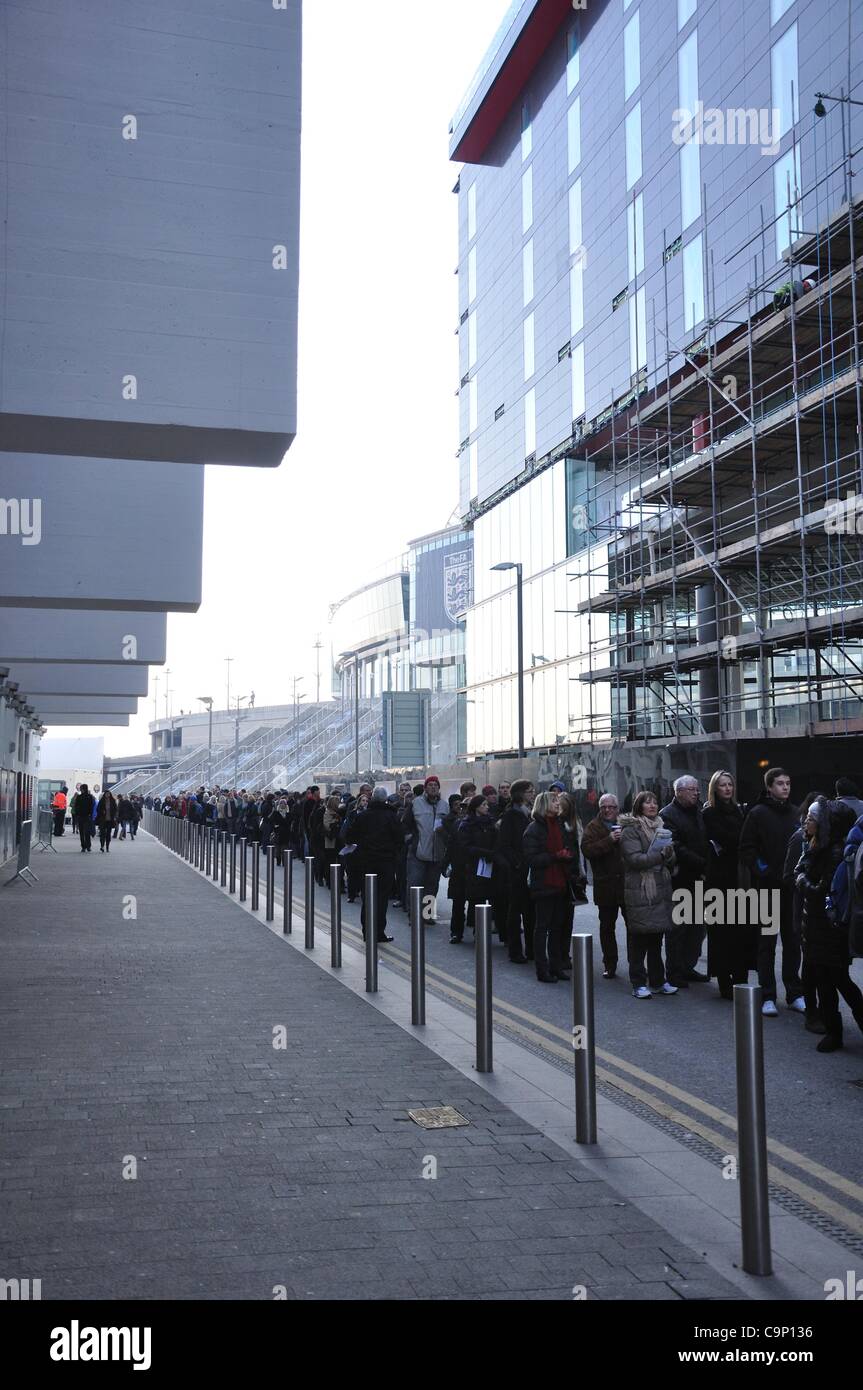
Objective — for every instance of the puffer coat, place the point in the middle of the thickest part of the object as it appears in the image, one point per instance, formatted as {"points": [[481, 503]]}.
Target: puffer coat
{"points": [[640, 857]]}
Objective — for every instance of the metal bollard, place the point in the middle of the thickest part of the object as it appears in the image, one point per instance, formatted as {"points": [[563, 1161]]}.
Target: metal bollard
{"points": [[484, 1049], [583, 1041], [418, 958], [310, 902], [244, 867], [208, 849], [223, 874], [287, 891], [196, 843], [232, 877], [256, 875], [752, 1130], [336, 916], [271, 883], [370, 904]]}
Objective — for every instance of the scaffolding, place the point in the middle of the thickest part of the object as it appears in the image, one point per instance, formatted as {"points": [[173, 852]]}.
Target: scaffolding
{"points": [[722, 593]]}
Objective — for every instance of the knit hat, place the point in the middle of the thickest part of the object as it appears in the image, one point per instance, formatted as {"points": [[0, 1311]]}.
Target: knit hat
{"points": [[489, 790], [557, 787], [430, 779]]}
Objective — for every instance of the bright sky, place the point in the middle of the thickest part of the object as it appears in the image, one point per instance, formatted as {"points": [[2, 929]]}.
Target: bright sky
{"points": [[373, 464]]}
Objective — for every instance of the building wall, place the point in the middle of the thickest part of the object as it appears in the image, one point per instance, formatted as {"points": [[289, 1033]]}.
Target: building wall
{"points": [[589, 246]]}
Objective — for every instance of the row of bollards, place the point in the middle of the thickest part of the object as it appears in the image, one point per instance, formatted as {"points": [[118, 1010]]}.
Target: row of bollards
{"points": [[215, 854]]}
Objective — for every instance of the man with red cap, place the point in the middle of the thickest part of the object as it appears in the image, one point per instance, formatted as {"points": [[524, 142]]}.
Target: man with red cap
{"points": [[423, 827]]}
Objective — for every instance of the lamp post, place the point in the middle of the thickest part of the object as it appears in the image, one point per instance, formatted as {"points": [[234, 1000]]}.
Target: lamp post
{"points": [[297, 680], [516, 565], [208, 701], [240, 699], [356, 657]]}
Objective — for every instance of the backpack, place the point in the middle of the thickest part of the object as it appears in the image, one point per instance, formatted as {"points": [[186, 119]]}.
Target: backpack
{"points": [[855, 906]]}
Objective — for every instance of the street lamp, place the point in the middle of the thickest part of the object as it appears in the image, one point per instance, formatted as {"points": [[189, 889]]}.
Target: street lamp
{"points": [[297, 680], [356, 657], [208, 701], [515, 565], [240, 698]]}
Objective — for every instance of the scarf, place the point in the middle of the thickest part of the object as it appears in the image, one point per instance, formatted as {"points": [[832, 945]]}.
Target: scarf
{"points": [[649, 829]]}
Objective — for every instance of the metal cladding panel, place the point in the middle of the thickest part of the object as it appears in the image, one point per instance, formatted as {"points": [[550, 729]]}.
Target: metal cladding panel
{"points": [[42, 634], [112, 721], [150, 182], [85, 704], [406, 727], [42, 678], [110, 535]]}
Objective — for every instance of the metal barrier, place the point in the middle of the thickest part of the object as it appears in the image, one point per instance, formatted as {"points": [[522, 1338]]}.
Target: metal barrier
{"points": [[484, 1048], [583, 1042], [271, 883], [216, 848], [752, 1130], [336, 916], [223, 851], [418, 958], [244, 867], [287, 890], [208, 849], [232, 876], [310, 902], [370, 906], [256, 875]]}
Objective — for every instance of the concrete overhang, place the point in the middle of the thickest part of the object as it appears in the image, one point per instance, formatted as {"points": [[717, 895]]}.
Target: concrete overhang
{"points": [[43, 678], [101, 535], [84, 704], [105, 638], [111, 721]]}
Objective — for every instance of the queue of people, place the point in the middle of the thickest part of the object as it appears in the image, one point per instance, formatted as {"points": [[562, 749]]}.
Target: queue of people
{"points": [[113, 817], [525, 855]]}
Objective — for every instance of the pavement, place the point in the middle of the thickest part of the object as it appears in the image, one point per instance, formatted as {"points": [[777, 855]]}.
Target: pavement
{"points": [[195, 1107]]}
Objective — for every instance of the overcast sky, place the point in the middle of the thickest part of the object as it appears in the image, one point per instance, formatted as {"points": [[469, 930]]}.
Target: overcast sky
{"points": [[373, 464]]}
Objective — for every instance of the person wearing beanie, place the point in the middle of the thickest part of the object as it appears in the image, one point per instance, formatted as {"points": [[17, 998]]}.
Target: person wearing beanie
{"points": [[424, 832]]}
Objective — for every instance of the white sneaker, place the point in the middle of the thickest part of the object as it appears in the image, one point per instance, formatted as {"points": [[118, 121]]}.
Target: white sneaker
{"points": [[665, 988], [641, 993], [798, 1004], [769, 1009]]}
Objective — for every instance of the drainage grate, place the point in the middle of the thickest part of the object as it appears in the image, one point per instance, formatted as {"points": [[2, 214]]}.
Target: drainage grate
{"points": [[439, 1117]]}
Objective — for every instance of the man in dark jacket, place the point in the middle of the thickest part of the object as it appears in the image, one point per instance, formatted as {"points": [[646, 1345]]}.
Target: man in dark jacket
{"points": [[763, 847], [84, 804], [683, 818], [378, 836], [107, 818], [600, 844], [510, 834]]}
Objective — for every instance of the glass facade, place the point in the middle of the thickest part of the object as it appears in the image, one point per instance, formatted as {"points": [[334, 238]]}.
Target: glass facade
{"points": [[785, 81], [632, 134], [635, 236], [786, 195], [573, 135], [631, 56], [527, 272], [693, 284]]}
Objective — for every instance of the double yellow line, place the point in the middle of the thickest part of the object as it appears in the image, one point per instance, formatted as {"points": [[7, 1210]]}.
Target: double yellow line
{"points": [[544, 1035]]}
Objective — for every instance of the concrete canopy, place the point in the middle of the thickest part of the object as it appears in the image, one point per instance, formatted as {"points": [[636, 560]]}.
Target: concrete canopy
{"points": [[67, 679], [42, 634], [111, 721], [84, 704], [101, 535]]}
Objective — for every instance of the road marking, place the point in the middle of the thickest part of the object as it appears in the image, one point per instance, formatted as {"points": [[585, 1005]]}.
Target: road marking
{"points": [[464, 994]]}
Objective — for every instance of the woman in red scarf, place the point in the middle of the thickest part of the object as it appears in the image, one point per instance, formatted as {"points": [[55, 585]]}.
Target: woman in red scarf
{"points": [[549, 857]]}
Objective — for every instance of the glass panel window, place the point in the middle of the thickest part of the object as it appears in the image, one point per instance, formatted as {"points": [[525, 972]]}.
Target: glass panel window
{"points": [[472, 473], [637, 333], [575, 218], [530, 423], [529, 349], [471, 340], [786, 194], [778, 8], [632, 127], [631, 56], [572, 60], [471, 212], [527, 199], [635, 235], [472, 405], [693, 284], [784, 81], [690, 183], [527, 271], [573, 135], [685, 11], [526, 131], [578, 381], [687, 74], [471, 275], [576, 300]]}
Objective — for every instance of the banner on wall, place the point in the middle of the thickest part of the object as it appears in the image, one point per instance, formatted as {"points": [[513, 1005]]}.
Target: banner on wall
{"points": [[444, 586]]}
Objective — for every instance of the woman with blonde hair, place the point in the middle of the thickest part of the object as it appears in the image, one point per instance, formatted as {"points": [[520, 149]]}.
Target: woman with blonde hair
{"points": [[548, 854], [732, 946]]}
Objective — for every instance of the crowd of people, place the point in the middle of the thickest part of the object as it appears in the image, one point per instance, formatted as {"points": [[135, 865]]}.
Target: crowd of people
{"points": [[112, 816], [530, 857]]}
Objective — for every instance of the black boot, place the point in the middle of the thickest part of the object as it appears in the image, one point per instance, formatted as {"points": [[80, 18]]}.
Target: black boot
{"points": [[831, 1042], [814, 1023]]}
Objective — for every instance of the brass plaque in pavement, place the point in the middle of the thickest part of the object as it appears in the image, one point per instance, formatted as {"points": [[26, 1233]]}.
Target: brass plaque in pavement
{"points": [[439, 1117]]}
